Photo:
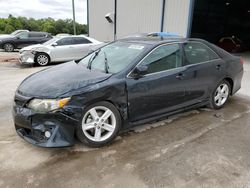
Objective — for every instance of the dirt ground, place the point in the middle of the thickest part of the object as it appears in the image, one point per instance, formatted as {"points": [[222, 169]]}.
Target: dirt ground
{"points": [[200, 148]]}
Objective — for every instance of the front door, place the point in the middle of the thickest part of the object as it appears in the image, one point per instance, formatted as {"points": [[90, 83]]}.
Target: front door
{"points": [[161, 89], [23, 40], [63, 50]]}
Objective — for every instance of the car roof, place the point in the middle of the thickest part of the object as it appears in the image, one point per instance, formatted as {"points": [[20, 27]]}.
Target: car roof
{"points": [[157, 40]]}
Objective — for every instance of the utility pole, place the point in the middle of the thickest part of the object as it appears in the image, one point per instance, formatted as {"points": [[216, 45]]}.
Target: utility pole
{"points": [[74, 18]]}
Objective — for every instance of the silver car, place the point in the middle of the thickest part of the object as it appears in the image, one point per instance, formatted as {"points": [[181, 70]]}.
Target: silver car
{"points": [[58, 49]]}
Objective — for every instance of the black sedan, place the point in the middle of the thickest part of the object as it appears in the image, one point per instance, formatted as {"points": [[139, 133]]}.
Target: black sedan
{"points": [[123, 84], [20, 39]]}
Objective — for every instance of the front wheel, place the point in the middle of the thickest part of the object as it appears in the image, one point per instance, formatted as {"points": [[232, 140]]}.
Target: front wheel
{"points": [[220, 95], [42, 59], [8, 47], [100, 124]]}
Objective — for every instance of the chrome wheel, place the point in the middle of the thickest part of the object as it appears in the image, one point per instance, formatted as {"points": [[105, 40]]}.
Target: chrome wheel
{"points": [[99, 123], [221, 94], [42, 59], [9, 47]]}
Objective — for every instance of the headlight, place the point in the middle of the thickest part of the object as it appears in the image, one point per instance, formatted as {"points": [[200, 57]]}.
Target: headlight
{"points": [[46, 105]]}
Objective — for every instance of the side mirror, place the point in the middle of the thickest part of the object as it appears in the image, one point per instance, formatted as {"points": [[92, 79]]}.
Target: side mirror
{"points": [[17, 37], [139, 71], [54, 44]]}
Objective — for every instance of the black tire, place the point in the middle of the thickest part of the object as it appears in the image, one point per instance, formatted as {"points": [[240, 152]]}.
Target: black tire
{"points": [[8, 47], [214, 104], [89, 142], [42, 59]]}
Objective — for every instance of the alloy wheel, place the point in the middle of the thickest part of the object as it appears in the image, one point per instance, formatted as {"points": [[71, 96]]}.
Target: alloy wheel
{"points": [[42, 59], [99, 123], [9, 47], [221, 94]]}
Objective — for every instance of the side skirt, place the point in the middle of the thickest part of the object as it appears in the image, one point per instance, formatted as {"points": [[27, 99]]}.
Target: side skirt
{"points": [[165, 116]]}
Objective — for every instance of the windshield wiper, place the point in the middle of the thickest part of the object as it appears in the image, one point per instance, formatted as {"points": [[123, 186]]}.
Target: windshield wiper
{"points": [[92, 58], [106, 63]]}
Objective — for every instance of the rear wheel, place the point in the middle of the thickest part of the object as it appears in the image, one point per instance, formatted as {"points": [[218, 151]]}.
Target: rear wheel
{"points": [[8, 47], [42, 59], [220, 95], [100, 124]]}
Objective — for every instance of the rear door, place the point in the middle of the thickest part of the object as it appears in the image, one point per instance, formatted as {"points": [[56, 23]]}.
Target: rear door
{"points": [[160, 90], [203, 69]]}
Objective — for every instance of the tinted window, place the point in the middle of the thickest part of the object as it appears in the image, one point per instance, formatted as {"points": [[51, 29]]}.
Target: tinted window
{"points": [[198, 53], [163, 58], [80, 40], [64, 41], [37, 35], [23, 35]]}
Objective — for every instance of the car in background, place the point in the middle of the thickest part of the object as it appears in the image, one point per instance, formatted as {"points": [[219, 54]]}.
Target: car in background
{"points": [[62, 34], [231, 44], [14, 33], [22, 39], [58, 49], [125, 83]]}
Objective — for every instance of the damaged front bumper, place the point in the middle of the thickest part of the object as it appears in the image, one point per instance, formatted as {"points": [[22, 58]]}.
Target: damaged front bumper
{"points": [[27, 57], [46, 130]]}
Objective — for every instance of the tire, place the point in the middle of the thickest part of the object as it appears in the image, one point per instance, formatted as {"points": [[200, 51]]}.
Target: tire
{"points": [[97, 130], [42, 59], [8, 47], [220, 95]]}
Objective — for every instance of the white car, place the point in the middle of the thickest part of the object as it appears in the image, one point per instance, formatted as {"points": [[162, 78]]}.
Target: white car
{"points": [[58, 49]]}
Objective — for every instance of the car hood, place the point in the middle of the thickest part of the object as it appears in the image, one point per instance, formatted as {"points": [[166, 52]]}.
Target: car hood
{"points": [[32, 47], [60, 80], [5, 37]]}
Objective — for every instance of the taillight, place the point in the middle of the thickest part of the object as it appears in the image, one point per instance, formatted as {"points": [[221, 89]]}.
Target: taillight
{"points": [[242, 61]]}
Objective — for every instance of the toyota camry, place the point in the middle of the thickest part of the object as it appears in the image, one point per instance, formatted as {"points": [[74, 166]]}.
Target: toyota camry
{"points": [[125, 83]]}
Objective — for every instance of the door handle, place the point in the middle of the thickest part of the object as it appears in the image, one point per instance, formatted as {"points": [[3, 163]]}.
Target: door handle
{"points": [[218, 67], [179, 76]]}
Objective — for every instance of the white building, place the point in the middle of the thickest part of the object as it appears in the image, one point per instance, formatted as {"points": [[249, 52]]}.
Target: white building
{"points": [[209, 19]]}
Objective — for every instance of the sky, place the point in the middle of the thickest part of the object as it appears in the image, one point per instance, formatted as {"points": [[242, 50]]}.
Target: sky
{"points": [[57, 9]]}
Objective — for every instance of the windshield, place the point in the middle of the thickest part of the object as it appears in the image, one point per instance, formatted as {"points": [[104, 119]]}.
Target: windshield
{"points": [[51, 41], [116, 56], [17, 32]]}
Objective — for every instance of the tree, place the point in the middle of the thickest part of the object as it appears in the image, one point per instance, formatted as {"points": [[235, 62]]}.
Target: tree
{"points": [[10, 24]]}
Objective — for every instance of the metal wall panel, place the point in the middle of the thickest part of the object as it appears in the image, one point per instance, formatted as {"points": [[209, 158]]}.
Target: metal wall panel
{"points": [[136, 16], [99, 27], [177, 16]]}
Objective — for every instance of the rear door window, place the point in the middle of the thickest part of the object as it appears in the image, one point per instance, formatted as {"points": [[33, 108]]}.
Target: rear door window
{"points": [[196, 52], [80, 40]]}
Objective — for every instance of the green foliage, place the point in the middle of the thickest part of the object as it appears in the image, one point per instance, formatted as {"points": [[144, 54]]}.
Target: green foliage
{"points": [[10, 24]]}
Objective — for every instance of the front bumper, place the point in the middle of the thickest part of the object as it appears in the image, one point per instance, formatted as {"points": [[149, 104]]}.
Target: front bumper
{"points": [[26, 57], [32, 126]]}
